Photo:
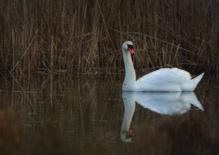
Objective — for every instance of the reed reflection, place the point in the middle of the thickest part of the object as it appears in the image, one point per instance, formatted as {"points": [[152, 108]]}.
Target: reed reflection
{"points": [[163, 103]]}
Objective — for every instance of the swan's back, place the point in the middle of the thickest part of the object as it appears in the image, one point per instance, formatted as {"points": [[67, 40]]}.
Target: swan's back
{"points": [[165, 76]]}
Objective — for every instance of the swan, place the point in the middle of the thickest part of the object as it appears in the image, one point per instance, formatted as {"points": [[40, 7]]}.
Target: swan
{"points": [[164, 79], [174, 103]]}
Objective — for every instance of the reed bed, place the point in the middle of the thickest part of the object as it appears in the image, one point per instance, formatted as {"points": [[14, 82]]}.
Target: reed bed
{"points": [[84, 36]]}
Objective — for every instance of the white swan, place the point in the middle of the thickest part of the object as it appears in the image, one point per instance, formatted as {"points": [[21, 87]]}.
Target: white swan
{"points": [[175, 103], [165, 79]]}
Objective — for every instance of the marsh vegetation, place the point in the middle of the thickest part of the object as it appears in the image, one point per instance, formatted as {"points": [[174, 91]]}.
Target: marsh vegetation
{"points": [[48, 103], [86, 36]]}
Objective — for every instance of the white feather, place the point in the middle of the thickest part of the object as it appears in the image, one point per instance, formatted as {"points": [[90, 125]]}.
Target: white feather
{"points": [[165, 79]]}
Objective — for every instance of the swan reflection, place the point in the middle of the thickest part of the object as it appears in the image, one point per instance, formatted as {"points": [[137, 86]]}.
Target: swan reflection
{"points": [[162, 103]]}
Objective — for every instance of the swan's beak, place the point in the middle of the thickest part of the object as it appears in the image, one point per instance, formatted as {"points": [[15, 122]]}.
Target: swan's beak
{"points": [[131, 50]]}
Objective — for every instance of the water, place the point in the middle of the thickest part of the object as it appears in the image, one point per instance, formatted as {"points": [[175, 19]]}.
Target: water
{"points": [[63, 114]]}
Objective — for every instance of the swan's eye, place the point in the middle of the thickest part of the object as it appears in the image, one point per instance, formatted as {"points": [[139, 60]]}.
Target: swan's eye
{"points": [[130, 47]]}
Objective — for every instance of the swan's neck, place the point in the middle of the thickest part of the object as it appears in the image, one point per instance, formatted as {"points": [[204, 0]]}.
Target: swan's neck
{"points": [[129, 109], [130, 76]]}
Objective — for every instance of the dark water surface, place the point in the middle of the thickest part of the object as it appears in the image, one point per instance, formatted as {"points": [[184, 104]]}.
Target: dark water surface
{"points": [[70, 115]]}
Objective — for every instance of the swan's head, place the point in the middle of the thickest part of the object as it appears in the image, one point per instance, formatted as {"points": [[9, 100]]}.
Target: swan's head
{"points": [[126, 136], [128, 46]]}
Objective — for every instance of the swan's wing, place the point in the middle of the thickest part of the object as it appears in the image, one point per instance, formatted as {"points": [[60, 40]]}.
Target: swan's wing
{"points": [[163, 103], [165, 76]]}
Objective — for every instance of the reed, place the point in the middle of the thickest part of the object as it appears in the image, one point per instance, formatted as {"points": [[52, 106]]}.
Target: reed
{"points": [[85, 36]]}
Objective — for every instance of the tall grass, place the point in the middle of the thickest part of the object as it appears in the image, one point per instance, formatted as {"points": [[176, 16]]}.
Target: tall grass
{"points": [[85, 36]]}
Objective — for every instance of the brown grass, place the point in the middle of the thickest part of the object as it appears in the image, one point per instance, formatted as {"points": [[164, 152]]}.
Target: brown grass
{"points": [[85, 36]]}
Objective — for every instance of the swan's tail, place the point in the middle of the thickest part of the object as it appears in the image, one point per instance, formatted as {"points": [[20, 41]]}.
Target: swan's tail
{"points": [[190, 97], [192, 84], [196, 80]]}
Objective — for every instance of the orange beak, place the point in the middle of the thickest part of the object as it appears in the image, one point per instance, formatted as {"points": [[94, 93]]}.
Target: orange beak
{"points": [[131, 50]]}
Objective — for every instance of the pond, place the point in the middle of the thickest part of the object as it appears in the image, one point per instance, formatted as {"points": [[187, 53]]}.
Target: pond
{"points": [[68, 114]]}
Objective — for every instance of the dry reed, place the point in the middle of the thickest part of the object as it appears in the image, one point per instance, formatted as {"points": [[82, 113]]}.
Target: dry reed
{"points": [[85, 36]]}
